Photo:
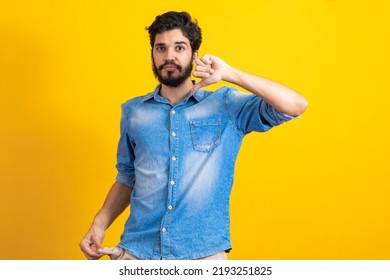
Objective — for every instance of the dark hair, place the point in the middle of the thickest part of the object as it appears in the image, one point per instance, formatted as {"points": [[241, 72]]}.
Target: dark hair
{"points": [[176, 20]]}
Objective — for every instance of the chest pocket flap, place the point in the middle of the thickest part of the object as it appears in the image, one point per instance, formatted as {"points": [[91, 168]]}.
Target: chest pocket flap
{"points": [[205, 134]]}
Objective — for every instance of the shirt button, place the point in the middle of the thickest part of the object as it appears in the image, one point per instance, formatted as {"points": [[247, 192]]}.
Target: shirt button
{"points": [[173, 112], [173, 158], [172, 182], [164, 229], [173, 134], [170, 207]]}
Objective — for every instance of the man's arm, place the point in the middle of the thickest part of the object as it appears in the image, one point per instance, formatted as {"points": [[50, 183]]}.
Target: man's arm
{"points": [[213, 69], [117, 200]]}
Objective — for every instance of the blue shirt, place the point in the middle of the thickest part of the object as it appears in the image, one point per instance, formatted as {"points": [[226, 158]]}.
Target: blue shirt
{"points": [[180, 161]]}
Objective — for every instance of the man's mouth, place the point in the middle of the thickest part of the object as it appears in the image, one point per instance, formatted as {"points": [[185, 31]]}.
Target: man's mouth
{"points": [[169, 66]]}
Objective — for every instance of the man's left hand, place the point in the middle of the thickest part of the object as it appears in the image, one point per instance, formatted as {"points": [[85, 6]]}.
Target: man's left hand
{"points": [[210, 69]]}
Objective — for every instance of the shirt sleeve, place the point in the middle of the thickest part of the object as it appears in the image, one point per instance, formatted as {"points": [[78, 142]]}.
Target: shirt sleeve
{"points": [[125, 153], [251, 113]]}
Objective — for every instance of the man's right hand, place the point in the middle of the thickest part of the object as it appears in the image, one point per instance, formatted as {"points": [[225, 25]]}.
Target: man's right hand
{"points": [[117, 200], [91, 243]]}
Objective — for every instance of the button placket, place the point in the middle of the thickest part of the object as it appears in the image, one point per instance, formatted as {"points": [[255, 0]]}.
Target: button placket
{"points": [[172, 181], [174, 125]]}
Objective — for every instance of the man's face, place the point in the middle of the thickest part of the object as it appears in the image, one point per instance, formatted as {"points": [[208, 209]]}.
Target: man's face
{"points": [[172, 58]]}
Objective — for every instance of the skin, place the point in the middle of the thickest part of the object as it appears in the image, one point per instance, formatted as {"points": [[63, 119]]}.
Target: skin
{"points": [[173, 46], [117, 200], [213, 69]]}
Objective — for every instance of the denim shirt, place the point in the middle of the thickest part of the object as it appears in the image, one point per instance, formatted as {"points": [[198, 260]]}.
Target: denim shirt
{"points": [[180, 161]]}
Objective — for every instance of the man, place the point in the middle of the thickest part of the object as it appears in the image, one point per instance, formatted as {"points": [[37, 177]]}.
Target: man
{"points": [[178, 148]]}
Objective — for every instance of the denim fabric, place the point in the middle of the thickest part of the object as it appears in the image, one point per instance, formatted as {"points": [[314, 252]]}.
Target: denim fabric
{"points": [[180, 161]]}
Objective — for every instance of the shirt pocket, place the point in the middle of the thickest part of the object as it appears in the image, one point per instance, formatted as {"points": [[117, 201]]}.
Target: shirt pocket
{"points": [[205, 134]]}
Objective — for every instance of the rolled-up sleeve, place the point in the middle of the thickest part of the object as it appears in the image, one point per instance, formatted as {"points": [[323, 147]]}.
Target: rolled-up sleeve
{"points": [[125, 153], [251, 113], [273, 116]]}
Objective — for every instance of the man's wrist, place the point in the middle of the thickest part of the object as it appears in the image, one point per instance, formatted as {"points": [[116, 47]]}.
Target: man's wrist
{"points": [[232, 75], [100, 222]]}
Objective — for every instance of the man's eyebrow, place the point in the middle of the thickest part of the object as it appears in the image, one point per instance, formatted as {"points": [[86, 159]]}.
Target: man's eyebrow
{"points": [[181, 43], [176, 43]]}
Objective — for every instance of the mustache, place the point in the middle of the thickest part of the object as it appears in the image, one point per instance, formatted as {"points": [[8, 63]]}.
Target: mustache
{"points": [[170, 63]]}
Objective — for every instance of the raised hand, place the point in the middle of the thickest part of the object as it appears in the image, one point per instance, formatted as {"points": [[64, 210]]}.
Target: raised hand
{"points": [[210, 69]]}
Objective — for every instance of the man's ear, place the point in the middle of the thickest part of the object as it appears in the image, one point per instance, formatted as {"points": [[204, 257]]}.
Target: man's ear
{"points": [[194, 57]]}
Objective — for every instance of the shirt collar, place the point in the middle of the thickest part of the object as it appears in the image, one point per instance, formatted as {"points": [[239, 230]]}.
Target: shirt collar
{"points": [[199, 95]]}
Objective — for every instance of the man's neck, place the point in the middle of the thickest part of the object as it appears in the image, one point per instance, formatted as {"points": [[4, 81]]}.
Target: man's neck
{"points": [[176, 94]]}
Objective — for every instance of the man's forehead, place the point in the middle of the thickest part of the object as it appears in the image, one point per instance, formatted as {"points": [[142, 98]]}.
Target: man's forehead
{"points": [[174, 36]]}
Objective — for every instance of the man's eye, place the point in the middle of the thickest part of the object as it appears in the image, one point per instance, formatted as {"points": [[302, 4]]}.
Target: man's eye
{"points": [[180, 48], [160, 48]]}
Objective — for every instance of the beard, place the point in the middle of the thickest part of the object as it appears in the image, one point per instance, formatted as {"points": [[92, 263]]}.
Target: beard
{"points": [[170, 80]]}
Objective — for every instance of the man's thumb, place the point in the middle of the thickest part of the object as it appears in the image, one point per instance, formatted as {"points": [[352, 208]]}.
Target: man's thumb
{"points": [[98, 244], [197, 86]]}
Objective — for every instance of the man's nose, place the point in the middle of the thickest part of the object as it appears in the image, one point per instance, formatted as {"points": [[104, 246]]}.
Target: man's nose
{"points": [[170, 54]]}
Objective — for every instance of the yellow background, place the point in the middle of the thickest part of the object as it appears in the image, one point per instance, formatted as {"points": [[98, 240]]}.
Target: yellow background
{"points": [[314, 188]]}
